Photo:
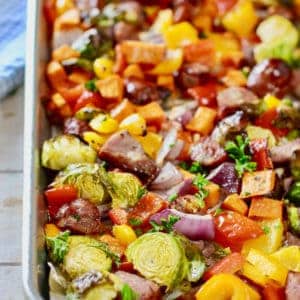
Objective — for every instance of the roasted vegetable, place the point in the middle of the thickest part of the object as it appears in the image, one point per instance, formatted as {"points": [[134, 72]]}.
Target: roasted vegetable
{"points": [[160, 257], [294, 193], [63, 150], [87, 178]]}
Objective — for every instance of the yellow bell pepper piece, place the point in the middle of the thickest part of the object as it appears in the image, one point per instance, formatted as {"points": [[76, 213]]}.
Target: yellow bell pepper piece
{"points": [[124, 234], [171, 64], [63, 5], [95, 140], [269, 242], [51, 230], [268, 266], [151, 142], [253, 274], [226, 286], [271, 101], [241, 19], [289, 257], [163, 21], [135, 124], [103, 67], [180, 34], [104, 124]]}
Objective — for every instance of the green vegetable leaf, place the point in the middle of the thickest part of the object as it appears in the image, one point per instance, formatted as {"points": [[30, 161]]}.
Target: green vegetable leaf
{"points": [[141, 192], [135, 222], [166, 224], [294, 219], [127, 293], [105, 248], [218, 211], [90, 85], [294, 193], [173, 197], [58, 246], [200, 182], [194, 168], [237, 152]]}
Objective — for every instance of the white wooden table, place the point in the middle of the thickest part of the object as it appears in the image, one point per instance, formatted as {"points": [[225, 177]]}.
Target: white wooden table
{"points": [[11, 152]]}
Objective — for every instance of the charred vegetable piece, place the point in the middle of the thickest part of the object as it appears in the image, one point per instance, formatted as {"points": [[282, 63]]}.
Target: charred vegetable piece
{"points": [[60, 151]]}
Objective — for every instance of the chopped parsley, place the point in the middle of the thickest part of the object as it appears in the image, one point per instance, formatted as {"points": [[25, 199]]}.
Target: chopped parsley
{"points": [[127, 293], [194, 168], [173, 197], [58, 246], [91, 85], [105, 248], [141, 192], [135, 222], [237, 152], [165, 225], [266, 229], [200, 182], [218, 211]]}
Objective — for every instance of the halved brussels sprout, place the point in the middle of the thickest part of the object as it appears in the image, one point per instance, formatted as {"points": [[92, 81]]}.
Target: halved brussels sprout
{"points": [[87, 178], [124, 189], [279, 38], [159, 257], [85, 256], [62, 150], [105, 291]]}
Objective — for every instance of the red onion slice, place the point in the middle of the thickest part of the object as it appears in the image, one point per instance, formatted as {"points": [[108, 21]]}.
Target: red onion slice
{"points": [[169, 176], [194, 227]]}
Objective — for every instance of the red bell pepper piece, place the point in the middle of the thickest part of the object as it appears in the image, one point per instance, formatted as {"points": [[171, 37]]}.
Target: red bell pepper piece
{"points": [[273, 291], [88, 98], [148, 205], [126, 266], [233, 229], [205, 94], [268, 120], [57, 197], [229, 264], [260, 154], [118, 216]]}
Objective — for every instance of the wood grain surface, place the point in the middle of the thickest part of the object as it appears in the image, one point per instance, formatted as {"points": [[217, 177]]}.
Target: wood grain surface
{"points": [[11, 149]]}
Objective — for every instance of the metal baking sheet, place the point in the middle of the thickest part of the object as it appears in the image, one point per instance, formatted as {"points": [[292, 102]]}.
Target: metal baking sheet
{"points": [[36, 129]]}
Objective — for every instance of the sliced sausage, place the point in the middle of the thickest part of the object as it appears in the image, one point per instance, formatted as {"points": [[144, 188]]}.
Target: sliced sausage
{"points": [[123, 151], [75, 126], [208, 152], [285, 152], [292, 289], [79, 216], [146, 289]]}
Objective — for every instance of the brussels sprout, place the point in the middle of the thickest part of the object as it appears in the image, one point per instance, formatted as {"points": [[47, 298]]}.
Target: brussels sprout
{"points": [[105, 291], [279, 39], [294, 193], [294, 219], [62, 150], [124, 190], [159, 257], [87, 113], [256, 132], [87, 178], [84, 256]]}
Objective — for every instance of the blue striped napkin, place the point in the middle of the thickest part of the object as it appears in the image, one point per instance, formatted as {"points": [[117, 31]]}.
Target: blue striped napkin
{"points": [[12, 44]]}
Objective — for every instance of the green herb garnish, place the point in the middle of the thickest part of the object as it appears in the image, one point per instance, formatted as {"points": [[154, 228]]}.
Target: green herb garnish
{"points": [[194, 168], [266, 229], [105, 248], [200, 182], [166, 224], [90, 85], [58, 246], [237, 152], [173, 197], [135, 222], [141, 192], [218, 211], [127, 293]]}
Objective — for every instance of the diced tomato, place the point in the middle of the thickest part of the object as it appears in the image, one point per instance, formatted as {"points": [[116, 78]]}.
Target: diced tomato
{"points": [[57, 197], [273, 291], [233, 229], [205, 95], [268, 120], [88, 98], [148, 205], [229, 264], [225, 5], [260, 154], [126, 266], [118, 216]]}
